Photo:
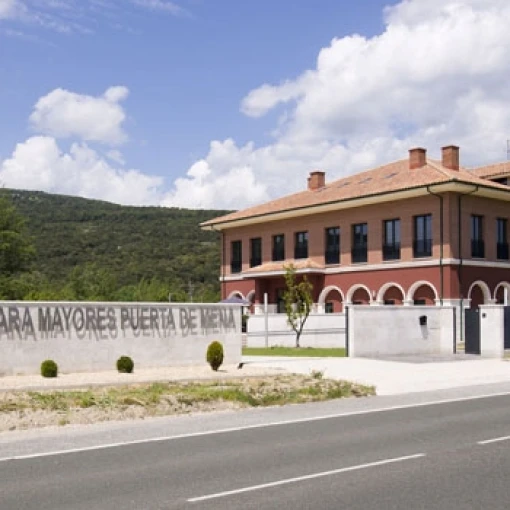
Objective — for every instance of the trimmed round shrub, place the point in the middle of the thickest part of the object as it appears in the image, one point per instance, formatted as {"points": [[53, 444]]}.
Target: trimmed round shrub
{"points": [[49, 368], [215, 355], [125, 365]]}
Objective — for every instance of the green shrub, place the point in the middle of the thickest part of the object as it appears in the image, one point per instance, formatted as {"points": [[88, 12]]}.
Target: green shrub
{"points": [[49, 368], [215, 355], [125, 364]]}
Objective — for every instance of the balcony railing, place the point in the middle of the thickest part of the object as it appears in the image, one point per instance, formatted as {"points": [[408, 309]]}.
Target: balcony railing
{"points": [[359, 253], [255, 261], [301, 251], [235, 266], [332, 255], [502, 249], [391, 251], [422, 248], [477, 248]]}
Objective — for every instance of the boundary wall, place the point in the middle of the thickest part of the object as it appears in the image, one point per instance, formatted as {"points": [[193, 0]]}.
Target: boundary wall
{"points": [[91, 336]]}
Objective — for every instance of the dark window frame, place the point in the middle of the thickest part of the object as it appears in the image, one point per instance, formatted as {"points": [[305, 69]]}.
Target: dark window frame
{"points": [[359, 246], [255, 251], [278, 248], [502, 238], [477, 237], [422, 235], [332, 245], [236, 256], [301, 245], [391, 239]]}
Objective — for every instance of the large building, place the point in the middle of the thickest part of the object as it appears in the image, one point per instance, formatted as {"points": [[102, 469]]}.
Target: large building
{"points": [[416, 231]]}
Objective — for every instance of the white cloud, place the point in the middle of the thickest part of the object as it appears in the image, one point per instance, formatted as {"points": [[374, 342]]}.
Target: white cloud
{"points": [[39, 164], [10, 9], [436, 75], [66, 114], [160, 5]]}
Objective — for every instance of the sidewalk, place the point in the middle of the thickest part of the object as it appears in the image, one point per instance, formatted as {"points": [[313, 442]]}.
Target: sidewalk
{"points": [[390, 377], [396, 377]]}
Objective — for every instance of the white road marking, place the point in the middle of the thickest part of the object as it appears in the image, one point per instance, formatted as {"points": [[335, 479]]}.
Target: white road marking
{"points": [[306, 477], [310, 419], [494, 440]]}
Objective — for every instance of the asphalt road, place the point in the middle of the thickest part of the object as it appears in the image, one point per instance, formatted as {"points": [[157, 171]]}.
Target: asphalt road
{"points": [[454, 455]]}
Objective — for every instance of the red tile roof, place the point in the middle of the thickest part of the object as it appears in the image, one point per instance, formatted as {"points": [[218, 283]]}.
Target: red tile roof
{"points": [[385, 179]]}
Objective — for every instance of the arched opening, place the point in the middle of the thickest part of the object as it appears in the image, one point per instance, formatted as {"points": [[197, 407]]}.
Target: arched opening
{"points": [[479, 294], [499, 293], [422, 293], [332, 299], [236, 293], [393, 296], [360, 296]]}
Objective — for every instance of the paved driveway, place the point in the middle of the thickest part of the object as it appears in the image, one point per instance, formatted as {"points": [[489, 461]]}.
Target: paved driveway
{"points": [[395, 377]]}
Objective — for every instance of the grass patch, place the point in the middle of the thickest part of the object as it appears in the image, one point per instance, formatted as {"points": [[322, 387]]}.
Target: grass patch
{"points": [[308, 352], [159, 399]]}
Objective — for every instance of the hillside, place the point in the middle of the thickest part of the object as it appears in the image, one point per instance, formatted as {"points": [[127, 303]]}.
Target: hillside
{"points": [[131, 243]]}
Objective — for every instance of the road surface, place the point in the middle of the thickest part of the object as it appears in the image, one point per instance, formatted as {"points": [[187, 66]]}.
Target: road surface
{"points": [[449, 455]]}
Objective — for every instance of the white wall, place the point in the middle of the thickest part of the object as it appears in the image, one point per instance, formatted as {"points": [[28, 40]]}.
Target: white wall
{"points": [[492, 331], [92, 336], [321, 330], [396, 330]]}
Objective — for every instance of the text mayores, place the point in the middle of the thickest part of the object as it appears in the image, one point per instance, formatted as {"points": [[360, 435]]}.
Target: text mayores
{"points": [[106, 321]]}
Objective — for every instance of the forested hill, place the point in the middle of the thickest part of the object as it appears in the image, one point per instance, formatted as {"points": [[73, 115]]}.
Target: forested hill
{"points": [[130, 243]]}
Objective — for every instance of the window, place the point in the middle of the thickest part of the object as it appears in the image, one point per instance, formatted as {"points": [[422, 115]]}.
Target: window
{"points": [[329, 308], [255, 251], [280, 301], [359, 243], [477, 244], [422, 242], [236, 257], [301, 245], [332, 251], [391, 241], [278, 247], [502, 238], [420, 302]]}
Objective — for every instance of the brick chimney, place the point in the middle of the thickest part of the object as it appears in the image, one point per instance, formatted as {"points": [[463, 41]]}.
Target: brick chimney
{"points": [[316, 180], [417, 158], [450, 157]]}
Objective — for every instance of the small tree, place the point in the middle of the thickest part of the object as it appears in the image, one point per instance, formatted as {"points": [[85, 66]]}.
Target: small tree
{"points": [[298, 300]]}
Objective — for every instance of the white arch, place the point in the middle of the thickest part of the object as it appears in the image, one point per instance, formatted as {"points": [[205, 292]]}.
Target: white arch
{"points": [[505, 285], [250, 295], [485, 290], [326, 291], [385, 287], [354, 288], [236, 293], [416, 285]]}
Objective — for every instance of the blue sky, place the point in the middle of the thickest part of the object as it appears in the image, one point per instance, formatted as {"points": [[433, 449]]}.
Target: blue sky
{"points": [[225, 103]]}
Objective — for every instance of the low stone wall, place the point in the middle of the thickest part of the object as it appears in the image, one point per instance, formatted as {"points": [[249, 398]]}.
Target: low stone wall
{"points": [[92, 336], [321, 330], [398, 330]]}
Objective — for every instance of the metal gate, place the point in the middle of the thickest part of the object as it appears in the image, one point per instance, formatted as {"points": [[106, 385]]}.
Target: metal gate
{"points": [[472, 331], [507, 327]]}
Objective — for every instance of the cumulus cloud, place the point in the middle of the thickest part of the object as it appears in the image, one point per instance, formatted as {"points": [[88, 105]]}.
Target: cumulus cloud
{"points": [[64, 114], [10, 9], [40, 164], [437, 74]]}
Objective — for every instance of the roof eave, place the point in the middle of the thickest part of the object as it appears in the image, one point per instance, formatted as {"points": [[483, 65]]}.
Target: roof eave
{"points": [[336, 205]]}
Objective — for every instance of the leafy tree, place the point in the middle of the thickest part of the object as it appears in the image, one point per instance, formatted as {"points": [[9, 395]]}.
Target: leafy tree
{"points": [[298, 300], [16, 249]]}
